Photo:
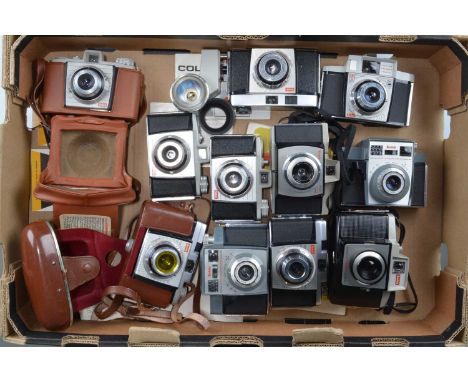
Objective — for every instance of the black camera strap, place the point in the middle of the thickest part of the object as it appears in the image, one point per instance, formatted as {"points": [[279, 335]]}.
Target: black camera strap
{"points": [[402, 307]]}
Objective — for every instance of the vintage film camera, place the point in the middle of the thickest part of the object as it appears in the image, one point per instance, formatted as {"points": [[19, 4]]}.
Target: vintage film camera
{"points": [[368, 89], [385, 173], [163, 254], [274, 77], [238, 178], [175, 156], [93, 86], [301, 170], [366, 263], [298, 248], [234, 270]]}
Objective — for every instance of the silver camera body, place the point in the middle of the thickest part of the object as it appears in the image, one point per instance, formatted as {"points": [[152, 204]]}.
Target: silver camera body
{"points": [[374, 90], [302, 171], [298, 261], [238, 178], [175, 155], [274, 77], [376, 266], [234, 270], [90, 80], [389, 172], [181, 254]]}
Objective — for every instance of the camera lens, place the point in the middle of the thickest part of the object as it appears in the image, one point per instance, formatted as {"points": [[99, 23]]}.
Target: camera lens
{"points": [[87, 83], [246, 272], [272, 69], [370, 96], [302, 172], [165, 261], [369, 267], [234, 180], [295, 267], [393, 182], [171, 154]]}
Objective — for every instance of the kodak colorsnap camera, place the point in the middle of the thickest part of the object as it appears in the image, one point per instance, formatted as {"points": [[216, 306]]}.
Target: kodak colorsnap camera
{"points": [[163, 254], [368, 89], [274, 77], [385, 173], [366, 262], [234, 270], [301, 171], [92, 86], [298, 248], [238, 178], [175, 156]]}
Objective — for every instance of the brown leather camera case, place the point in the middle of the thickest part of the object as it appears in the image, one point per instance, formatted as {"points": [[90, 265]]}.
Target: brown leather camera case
{"points": [[87, 152], [163, 218], [86, 173], [128, 97], [49, 277]]}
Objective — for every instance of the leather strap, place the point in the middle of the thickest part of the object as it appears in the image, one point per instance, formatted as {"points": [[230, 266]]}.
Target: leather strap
{"points": [[114, 301], [33, 98], [80, 270]]}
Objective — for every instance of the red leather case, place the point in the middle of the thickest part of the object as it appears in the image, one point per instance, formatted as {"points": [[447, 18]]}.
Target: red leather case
{"points": [[86, 242], [66, 271]]}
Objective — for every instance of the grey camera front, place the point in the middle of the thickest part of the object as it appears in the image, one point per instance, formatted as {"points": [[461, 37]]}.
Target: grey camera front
{"points": [[235, 270], [387, 173]]}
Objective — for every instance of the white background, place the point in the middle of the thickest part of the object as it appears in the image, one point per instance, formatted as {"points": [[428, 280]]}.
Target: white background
{"points": [[233, 17]]}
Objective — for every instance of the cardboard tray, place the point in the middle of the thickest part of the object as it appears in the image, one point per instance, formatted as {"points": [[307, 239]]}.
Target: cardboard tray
{"points": [[435, 239]]}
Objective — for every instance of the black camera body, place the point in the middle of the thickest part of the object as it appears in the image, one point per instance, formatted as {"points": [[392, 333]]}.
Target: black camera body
{"points": [[366, 263], [368, 89], [274, 77], [298, 251], [302, 173]]}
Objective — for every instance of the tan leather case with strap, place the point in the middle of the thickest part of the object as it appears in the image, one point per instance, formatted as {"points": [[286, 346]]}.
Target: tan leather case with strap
{"points": [[128, 102]]}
